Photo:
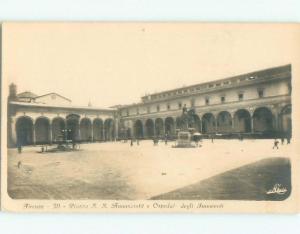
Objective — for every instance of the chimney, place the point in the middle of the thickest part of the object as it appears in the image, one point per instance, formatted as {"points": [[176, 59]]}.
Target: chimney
{"points": [[12, 92]]}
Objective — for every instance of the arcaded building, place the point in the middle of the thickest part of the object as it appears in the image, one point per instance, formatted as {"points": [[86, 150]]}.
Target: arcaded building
{"points": [[254, 104], [51, 118]]}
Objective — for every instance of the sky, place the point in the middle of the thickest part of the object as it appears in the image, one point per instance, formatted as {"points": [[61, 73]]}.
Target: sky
{"points": [[116, 63]]}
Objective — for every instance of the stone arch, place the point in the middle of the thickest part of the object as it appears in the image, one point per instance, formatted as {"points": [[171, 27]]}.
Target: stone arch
{"points": [[262, 120], [170, 126], [159, 127], [24, 130], [42, 130], [85, 129], [208, 123], [72, 133], [109, 129], [98, 129], [149, 127], [58, 128], [194, 122], [224, 122], [242, 121], [138, 129]]}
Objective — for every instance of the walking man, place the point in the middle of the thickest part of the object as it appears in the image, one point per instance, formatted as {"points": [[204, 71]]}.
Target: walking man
{"points": [[282, 140], [276, 142]]}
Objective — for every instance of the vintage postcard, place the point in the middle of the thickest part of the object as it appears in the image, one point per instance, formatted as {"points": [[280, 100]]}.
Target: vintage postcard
{"points": [[150, 117]]}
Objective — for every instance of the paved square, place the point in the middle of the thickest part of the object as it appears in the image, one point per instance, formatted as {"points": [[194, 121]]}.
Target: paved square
{"points": [[115, 170]]}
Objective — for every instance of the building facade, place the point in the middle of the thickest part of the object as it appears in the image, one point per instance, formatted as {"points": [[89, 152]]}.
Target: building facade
{"points": [[254, 104], [51, 118], [257, 103]]}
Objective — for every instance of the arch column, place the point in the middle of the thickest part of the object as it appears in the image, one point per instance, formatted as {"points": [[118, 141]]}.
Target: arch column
{"points": [[13, 132], [175, 124], [232, 119], [251, 111], [276, 114], [33, 133], [200, 124], [92, 131], [215, 115], [50, 132], [116, 128], [252, 124], [79, 133], [145, 133]]}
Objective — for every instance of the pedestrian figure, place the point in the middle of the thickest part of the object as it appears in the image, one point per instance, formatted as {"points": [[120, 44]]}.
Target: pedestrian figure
{"points": [[166, 139], [155, 141], [276, 142], [131, 142], [282, 140], [137, 142], [19, 164], [212, 139], [288, 139], [19, 148], [197, 141]]}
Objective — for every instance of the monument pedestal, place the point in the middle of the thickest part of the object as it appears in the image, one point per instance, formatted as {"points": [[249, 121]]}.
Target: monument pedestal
{"points": [[184, 140]]}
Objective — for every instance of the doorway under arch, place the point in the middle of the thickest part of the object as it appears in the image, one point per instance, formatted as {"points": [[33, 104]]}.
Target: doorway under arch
{"points": [[42, 129], [24, 130]]}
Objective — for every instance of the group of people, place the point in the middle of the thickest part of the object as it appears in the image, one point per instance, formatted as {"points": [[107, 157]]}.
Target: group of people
{"points": [[276, 142], [132, 140], [154, 139]]}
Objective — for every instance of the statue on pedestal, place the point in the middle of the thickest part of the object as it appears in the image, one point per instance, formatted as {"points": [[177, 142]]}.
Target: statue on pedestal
{"points": [[185, 121]]}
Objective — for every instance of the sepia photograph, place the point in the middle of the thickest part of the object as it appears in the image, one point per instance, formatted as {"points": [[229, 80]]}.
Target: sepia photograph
{"points": [[150, 116]]}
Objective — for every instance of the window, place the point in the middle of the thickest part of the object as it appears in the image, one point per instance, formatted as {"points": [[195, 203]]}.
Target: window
{"points": [[179, 105], [251, 78], [207, 101], [223, 99], [137, 111], [241, 96], [148, 109], [157, 108], [260, 93], [127, 112], [168, 106]]}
